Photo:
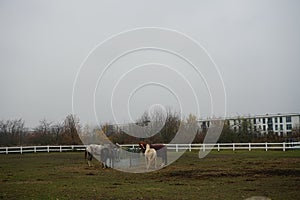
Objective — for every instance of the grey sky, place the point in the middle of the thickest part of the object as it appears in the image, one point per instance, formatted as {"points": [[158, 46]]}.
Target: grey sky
{"points": [[255, 44]]}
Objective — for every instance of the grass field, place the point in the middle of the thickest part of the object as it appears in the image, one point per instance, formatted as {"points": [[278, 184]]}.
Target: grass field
{"points": [[221, 175]]}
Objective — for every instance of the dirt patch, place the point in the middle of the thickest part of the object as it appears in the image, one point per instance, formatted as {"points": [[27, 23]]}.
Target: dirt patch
{"points": [[196, 173], [31, 182], [90, 174]]}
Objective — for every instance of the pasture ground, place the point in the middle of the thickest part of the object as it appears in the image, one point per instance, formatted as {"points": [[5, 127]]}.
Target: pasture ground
{"points": [[220, 175]]}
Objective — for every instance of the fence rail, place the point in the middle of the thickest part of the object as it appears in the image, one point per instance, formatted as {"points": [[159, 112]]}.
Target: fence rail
{"points": [[35, 149], [176, 147], [236, 146]]}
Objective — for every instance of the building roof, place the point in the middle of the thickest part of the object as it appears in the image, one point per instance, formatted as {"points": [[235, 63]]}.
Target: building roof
{"points": [[253, 116]]}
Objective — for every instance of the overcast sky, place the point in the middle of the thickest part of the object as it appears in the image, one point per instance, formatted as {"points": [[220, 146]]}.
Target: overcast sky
{"points": [[255, 44]]}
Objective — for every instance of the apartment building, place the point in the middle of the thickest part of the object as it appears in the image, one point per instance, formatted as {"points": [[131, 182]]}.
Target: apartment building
{"points": [[281, 124]]}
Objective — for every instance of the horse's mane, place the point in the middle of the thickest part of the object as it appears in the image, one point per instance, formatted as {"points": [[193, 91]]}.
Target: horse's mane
{"points": [[142, 145]]}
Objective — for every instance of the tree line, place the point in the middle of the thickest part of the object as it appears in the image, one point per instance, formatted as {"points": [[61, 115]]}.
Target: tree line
{"points": [[70, 132], [14, 132]]}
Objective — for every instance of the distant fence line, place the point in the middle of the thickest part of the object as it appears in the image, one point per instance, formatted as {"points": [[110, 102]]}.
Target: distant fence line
{"points": [[176, 147]]}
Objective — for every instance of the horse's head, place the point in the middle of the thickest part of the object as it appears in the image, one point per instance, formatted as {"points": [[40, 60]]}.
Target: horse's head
{"points": [[147, 146], [142, 145]]}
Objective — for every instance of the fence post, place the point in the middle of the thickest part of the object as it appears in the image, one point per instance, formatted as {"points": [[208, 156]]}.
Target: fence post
{"points": [[283, 148], [60, 148], [6, 150], [48, 149], [249, 146], [233, 147], [34, 149], [176, 147], [190, 147], [218, 147], [21, 150], [266, 146], [203, 146]]}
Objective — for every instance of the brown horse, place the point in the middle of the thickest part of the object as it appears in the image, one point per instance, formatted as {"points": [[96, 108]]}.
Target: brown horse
{"points": [[161, 150]]}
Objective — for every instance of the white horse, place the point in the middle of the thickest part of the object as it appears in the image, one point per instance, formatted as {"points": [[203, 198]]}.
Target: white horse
{"points": [[150, 156], [101, 152]]}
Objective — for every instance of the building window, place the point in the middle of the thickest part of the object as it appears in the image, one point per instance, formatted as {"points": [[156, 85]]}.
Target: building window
{"points": [[276, 120], [269, 120], [264, 120], [281, 127], [254, 121], [276, 127], [264, 127], [289, 127], [270, 127], [280, 119], [288, 119]]}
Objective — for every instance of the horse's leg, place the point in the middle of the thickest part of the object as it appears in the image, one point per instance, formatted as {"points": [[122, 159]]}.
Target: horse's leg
{"points": [[89, 158], [118, 155], [112, 158], [164, 157], [103, 157], [103, 163], [152, 160], [163, 161], [107, 162], [149, 162], [160, 154]]}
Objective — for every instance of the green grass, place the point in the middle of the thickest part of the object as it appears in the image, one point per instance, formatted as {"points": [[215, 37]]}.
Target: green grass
{"points": [[220, 175]]}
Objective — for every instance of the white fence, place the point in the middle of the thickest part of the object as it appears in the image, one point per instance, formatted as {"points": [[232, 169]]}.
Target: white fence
{"points": [[176, 147], [35, 149], [236, 146]]}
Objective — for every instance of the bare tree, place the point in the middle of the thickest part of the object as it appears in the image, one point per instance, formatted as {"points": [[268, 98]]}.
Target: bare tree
{"points": [[57, 130], [11, 132], [42, 133], [71, 129]]}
